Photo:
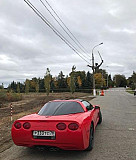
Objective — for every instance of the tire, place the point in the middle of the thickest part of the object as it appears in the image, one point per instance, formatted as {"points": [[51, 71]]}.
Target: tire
{"points": [[91, 139], [100, 118]]}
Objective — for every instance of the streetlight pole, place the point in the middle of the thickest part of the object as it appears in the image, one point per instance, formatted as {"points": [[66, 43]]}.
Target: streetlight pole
{"points": [[93, 68]]}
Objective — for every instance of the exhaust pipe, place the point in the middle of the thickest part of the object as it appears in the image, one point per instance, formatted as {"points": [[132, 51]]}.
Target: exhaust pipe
{"points": [[53, 149]]}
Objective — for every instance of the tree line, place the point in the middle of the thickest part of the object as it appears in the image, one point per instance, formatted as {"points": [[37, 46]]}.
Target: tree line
{"points": [[76, 81]]}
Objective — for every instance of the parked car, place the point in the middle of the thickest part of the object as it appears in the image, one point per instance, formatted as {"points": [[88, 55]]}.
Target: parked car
{"points": [[66, 124]]}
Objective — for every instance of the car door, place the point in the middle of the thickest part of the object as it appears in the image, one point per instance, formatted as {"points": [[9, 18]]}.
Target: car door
{"points": [[90, 107]]}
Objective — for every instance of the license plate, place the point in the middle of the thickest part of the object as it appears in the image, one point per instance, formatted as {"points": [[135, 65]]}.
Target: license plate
{"points": [[44, 133]]}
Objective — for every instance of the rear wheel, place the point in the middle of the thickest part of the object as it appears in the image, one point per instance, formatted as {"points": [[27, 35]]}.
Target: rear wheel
{"points": [[100, 118], [91, 139]]}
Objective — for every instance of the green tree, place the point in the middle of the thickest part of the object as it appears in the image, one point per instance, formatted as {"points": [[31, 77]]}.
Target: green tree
{"points": [[12, 86], [134, 77], [82, 76], [27, 86], [99, 80], [18, 87], [47, 80], [72, 80], [32, 84], [41, 84], [120, 80], [110, 81], [54, 83], [79, 81], [89, 80], [2, 86], [37, 86], [131, 81], [61, 80]]}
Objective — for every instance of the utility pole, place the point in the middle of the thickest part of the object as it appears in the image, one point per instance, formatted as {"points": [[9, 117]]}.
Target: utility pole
{"points": [[94, 67], [94, 92]]}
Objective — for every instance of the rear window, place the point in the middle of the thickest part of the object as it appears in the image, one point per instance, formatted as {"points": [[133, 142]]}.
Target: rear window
{"points": [[60, 108]]}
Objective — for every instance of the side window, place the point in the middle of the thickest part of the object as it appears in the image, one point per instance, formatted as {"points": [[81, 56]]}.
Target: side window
{"points": [[87, 105]]}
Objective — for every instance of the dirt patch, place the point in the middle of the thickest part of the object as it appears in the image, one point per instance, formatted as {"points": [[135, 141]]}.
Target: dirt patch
{"points": [[31, 103]]}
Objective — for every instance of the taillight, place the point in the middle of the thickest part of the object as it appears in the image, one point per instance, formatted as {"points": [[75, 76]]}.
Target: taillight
{"points": [[73, 126], [26, 125], [17, 125], [61, 126]]}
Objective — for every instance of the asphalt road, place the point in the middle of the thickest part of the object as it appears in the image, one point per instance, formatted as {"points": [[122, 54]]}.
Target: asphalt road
{"points": [[115, 138]]}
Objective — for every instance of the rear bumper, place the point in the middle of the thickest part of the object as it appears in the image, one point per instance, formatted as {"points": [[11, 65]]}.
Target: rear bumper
{"points": [[67, 140], [58, 145]]}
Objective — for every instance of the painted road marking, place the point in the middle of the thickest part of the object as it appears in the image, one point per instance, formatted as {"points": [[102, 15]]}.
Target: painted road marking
{"points": [[131, 129]]}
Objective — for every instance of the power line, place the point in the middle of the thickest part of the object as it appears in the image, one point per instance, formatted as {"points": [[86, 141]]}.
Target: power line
{"points": [[67, 27], [38, 13], [77, 41], [62, 26], [53, 28]]}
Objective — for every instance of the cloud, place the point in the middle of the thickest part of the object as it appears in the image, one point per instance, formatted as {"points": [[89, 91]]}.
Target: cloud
{"points": [[28, 46]]}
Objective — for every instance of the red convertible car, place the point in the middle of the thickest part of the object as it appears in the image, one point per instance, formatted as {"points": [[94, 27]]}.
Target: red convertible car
{"points": [[65, 124]]}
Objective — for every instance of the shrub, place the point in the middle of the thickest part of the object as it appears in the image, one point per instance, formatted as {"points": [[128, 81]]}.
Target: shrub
{"points": [[9, 97]]}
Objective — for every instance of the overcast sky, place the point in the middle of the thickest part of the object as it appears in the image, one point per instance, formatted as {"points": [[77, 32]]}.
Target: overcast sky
{"points": [[28, 46]]}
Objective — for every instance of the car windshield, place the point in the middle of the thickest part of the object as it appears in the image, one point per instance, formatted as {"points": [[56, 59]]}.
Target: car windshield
{"points": [[60, 108]]}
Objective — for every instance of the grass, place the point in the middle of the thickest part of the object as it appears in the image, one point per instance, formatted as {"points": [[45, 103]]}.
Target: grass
{"points": [[129, 90]]}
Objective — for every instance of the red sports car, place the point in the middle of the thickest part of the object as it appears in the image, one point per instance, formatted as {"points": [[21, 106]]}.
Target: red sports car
{"points": [[66, 124]]}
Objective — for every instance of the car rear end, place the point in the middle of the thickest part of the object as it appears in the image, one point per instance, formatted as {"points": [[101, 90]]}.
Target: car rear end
{"points": [[58, 131]]}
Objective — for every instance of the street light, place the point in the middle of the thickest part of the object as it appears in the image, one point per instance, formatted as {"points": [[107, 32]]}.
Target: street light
{"points": [[93, 68]]}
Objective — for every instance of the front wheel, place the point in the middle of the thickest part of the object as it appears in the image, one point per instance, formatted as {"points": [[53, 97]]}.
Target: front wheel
{"points": [[91, 139]]}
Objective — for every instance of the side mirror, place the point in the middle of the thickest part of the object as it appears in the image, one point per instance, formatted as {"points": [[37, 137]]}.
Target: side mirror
{"points": [[96, 107], [88, 108]]}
